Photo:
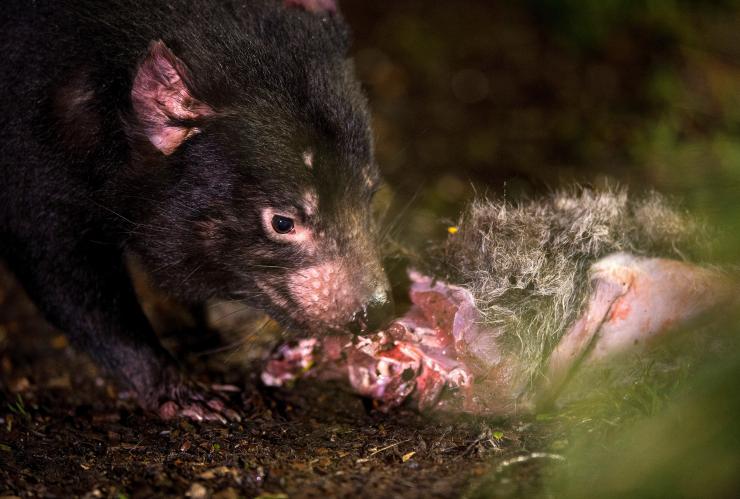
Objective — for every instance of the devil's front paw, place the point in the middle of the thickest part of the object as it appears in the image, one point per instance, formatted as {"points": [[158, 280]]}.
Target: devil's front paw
{"points": [[199, 403]]}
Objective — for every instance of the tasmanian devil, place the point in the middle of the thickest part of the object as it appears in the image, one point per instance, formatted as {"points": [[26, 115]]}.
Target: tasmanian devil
{"points": [[226, 144]]}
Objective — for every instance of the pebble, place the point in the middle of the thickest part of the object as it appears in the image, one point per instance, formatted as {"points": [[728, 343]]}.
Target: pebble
{"points": [[196, 491]]}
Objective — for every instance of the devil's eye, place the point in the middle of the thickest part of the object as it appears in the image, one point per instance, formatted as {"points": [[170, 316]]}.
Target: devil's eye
{"points": [[282, 225]]}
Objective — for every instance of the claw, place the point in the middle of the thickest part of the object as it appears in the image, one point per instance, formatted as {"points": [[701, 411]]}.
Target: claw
{"points": [[193, 405], [168, 410], [232, 415]]}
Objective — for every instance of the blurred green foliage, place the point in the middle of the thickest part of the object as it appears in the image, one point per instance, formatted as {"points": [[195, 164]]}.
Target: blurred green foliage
{"points": [[672, 433]]}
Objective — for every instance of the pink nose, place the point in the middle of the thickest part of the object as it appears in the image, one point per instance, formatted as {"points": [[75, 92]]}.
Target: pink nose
{"points": [[375, 314]]}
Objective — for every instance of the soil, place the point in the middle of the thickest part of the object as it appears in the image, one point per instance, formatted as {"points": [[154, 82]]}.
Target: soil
{"points": [[65, 430]]}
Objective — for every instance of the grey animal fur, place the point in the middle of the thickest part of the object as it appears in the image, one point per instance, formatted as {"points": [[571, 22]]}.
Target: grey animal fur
{"points": [[527, 263]]}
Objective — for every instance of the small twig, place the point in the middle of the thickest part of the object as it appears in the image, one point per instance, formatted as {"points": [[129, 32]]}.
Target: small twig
{"points": [[388, 447], [523, 459], [136, 446], [362, 460]]}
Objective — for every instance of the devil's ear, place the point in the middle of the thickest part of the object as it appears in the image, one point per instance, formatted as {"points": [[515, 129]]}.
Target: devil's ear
{"points": [[162, 102], [314, 6]]}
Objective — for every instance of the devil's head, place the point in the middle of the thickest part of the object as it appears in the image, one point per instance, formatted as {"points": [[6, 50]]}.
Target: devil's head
{"points": [[257, 150]]}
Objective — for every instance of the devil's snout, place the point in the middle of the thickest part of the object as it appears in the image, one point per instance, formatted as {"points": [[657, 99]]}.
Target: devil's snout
{"points": [[330, 297], [373, 315]]}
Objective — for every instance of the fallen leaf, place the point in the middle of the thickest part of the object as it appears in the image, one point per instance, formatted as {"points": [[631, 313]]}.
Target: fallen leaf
{"points": [[59, 342], [227, 493], [20, 385], [61, 382]]}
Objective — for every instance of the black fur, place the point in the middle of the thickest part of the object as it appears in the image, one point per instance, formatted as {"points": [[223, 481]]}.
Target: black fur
{"points": [[80, 185]]}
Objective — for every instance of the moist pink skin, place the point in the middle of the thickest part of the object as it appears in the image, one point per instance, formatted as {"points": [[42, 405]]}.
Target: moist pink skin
{"points": [[440, 356], [325, 294]]}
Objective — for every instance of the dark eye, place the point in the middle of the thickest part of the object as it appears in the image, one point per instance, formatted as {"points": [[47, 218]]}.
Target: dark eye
{"points": [[282, 225]]}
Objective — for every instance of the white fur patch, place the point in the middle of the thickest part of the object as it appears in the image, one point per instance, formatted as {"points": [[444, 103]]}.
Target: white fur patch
{"points": [[308, 159], [310, 203]]}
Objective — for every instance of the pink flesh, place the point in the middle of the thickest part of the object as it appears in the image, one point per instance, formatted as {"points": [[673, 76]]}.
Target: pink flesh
{"points": [[662, 294], [635, 301], [441, 356]]}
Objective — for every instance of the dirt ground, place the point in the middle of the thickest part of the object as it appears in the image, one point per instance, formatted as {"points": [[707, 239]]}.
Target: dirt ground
{"points": [[66, 431]]}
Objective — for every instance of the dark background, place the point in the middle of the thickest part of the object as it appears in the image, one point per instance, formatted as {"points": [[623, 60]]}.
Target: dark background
{"points": [[519, 97], [470, 97]]}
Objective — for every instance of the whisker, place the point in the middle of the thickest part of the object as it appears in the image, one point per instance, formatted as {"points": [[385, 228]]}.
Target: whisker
{"points": [[168, 265], [127, 220], [248, 339], [393, 224], [261, 266], [236, 344], [232, 313], [191, 273]]}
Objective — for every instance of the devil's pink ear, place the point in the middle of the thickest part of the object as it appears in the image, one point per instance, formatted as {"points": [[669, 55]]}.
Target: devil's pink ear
{"points": [[162, 101], [314, 6]]}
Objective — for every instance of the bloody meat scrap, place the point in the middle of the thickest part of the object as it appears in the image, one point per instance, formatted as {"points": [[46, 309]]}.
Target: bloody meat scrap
{"points": [[418, 355]]}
